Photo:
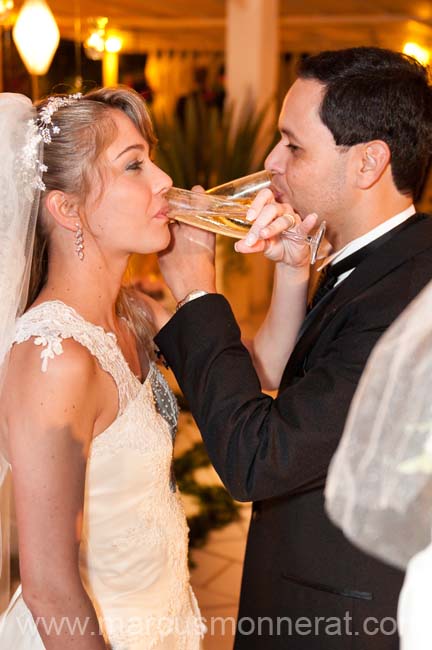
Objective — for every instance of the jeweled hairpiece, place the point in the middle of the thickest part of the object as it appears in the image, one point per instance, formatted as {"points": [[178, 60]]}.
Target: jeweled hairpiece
{"points": [[41, 129], [44, 120], [30, 166]]}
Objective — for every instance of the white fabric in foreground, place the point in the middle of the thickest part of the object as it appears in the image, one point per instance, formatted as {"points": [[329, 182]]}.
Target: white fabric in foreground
{"points": [[379, 487], [415, 603], [19, 201]]}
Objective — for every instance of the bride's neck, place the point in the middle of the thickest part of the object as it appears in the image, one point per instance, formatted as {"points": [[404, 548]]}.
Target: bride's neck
{"points": [[91, 286]]}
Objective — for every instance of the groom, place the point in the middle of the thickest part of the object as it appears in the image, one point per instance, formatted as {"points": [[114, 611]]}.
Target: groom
{"points": [[356, 131]]}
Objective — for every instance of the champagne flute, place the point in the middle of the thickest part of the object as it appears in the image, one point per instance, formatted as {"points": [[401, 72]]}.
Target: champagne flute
{"points": [[223, 209]]}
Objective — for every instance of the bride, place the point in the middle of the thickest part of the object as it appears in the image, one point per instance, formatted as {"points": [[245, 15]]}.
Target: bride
{"points": [[86, 420]]}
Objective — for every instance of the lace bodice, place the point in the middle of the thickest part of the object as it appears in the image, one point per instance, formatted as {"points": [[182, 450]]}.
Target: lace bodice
{"points": [[53, 321], [133, 554]]}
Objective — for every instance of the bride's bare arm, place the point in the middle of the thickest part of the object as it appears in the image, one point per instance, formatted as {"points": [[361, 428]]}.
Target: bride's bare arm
{"points": [[157, 313], [275, 340], [50, 421]]}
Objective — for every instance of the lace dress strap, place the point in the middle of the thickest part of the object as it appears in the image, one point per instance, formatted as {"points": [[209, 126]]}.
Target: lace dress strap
{"points": [[53, 321]]}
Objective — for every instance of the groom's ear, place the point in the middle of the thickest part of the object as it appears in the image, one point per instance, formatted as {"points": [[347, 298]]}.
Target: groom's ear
{"points": [[373, 161], [63, 208]]}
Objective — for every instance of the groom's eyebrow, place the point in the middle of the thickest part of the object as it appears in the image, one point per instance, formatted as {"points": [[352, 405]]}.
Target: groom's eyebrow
{"points": [[286, 131], [129, 148]]}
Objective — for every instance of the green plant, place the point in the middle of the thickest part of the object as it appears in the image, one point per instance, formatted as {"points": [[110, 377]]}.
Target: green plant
{"points": [[216, 507], [204, 148]]}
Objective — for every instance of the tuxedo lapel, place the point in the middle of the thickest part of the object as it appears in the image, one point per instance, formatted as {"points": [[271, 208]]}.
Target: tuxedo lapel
{"points": [[412, 240]]}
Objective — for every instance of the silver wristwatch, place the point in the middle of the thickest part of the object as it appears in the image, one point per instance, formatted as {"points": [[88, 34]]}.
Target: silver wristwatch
{"points": [[192, 295]]}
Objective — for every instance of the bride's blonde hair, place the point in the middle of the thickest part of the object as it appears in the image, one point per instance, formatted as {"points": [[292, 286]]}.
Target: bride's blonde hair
{"points": [[86, 129]]}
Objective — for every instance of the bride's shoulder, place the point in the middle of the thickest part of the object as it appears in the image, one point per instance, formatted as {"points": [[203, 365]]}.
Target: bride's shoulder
{"points": [[48, 356], [61, 375], [57, 406]]}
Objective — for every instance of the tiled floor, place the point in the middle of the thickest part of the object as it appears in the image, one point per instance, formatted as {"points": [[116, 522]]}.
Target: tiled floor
{"points": [[217, 575], [216, 581]]}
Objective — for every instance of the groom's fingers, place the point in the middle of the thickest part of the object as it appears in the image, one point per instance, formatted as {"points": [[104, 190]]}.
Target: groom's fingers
{"points": [[272, 213], [276, 227], [241, 246], [287, 222], [309, 223], [262, 198]]}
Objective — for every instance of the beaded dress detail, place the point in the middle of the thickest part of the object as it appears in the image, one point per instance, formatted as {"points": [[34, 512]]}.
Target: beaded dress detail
{"points": [[134, 547]]}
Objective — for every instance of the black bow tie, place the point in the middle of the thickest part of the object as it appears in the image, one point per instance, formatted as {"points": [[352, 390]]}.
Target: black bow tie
{"points": [[326, 283], [330, 273]]}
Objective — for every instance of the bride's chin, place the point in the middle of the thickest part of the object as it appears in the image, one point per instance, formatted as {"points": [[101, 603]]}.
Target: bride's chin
{"points": [[159, 246]]}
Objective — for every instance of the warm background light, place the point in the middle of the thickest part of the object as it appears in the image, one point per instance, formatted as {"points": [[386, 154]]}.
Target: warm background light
{"points": [[36, 36], [5, 7], [113, 44], [96, 42], [418, 52]]}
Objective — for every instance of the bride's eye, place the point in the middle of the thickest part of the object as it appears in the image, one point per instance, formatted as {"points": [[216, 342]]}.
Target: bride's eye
{"points": [[136, 164]]}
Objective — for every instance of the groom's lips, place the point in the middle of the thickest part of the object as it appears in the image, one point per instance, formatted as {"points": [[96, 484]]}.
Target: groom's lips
{"points": [[277, 194]]}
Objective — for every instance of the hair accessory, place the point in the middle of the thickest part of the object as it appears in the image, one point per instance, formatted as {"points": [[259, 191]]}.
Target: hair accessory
{"points": [[41, 129], [30, 166], [44, 120], [79, 241]]}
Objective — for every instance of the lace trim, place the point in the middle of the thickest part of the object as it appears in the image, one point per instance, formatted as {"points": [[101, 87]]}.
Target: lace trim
{"points": [[52, 346]]}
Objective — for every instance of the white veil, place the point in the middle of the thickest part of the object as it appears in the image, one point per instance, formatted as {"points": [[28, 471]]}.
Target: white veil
{"points": [[20, 184], [379, 487]]}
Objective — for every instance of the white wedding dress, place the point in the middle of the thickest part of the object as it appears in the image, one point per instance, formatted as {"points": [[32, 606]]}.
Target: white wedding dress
{"points": [[134, 548]]}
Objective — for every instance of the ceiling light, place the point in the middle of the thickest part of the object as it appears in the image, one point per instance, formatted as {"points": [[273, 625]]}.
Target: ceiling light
{"points": [[36, 36]]}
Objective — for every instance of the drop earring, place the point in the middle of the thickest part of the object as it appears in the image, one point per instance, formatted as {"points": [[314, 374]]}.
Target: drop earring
{"points": [[79, 241]]}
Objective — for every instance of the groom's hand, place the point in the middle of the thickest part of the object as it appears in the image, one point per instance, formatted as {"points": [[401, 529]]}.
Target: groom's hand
{"points": [[189, 261]]}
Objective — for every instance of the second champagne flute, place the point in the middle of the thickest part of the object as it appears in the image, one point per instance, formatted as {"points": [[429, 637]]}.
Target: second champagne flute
{"points": [[223, 209]]}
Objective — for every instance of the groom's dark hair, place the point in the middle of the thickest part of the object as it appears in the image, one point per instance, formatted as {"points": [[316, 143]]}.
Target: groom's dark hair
{"points": [[377, 94]]}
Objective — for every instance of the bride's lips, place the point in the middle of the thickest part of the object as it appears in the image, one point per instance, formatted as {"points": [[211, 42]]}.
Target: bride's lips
{"points": [[162, 213]]}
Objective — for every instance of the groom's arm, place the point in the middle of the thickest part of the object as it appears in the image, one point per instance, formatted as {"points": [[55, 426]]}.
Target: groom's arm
{"points": [[261, 447]]}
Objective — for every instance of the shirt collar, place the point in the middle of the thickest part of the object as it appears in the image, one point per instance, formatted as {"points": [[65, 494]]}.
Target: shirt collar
{"points": [[368, 237]]}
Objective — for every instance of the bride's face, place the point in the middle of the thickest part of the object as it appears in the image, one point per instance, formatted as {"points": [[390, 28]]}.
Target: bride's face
{"points": [[125, 208]]}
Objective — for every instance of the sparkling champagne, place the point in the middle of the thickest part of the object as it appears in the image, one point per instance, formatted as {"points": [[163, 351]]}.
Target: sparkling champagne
{"points": [[223, 209]]}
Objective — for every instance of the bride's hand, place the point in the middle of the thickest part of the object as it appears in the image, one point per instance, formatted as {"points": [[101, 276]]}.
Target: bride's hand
{"points": [[189, 261], [269, 219]]}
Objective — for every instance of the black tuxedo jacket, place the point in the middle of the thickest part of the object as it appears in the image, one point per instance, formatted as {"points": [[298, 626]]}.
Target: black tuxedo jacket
{"points": [[305, 587]]}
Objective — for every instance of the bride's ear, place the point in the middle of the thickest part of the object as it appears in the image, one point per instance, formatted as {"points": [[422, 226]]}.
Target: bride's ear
{"points": [[63, 208]]}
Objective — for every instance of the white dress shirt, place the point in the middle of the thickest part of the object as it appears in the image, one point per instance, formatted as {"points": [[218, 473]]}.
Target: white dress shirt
{"points": [[365, 239]]}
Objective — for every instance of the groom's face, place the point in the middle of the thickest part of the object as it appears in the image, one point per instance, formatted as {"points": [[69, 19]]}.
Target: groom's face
{"points": [[311, 171]]}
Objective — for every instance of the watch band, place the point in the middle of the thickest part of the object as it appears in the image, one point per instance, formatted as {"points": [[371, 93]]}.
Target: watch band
{"points": [[192, 295]]}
